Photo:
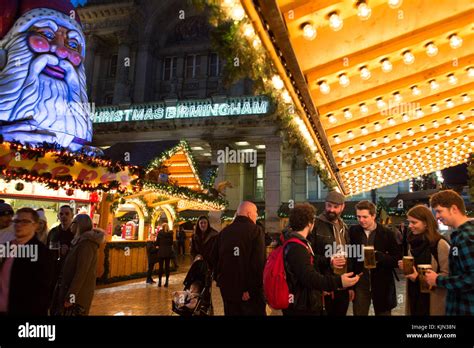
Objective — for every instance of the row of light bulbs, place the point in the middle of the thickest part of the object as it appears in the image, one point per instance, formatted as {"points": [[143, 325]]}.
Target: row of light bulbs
{"points": [[391, 122], [335, 21], [381, 104], [402, 172], [407, 169], [404, 145], [365, 74]]}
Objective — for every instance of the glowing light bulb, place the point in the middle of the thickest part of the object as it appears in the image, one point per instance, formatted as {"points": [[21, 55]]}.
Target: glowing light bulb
{"points": [[448, 120], [337, 140], [419, 113], [347, 114], [435, 124], [377, 126], [415, 91], [363, 108], [449, 103], [363, 11], [434, 85], [380, 103], [350, 135], [386, 65], [386, 139], [335, 21], [423, 128], [237, 13], [470, 71], [434, 108], [364, 131], [309, 31], [461, 116], [408, 57], [452, 79], [397, 96], [405, 117], [363, 147], [286, 97], [332, 119], [431, 49], [277, 82], [411, 132], [398, 136], [394, 3], [351, 150], [248, 31], [324, 87], [364, 73], [344, 80], [455, 41], [374, 143], [436, 136]]}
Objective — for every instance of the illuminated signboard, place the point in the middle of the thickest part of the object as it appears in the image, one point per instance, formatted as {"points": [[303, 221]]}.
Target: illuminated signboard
{"points": [[185, 109]]}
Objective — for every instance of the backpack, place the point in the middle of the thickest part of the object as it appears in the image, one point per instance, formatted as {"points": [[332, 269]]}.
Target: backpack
{"points": [[275, 286]]}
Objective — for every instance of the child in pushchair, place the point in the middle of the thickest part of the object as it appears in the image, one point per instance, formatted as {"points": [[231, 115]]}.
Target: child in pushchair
{"points": [[195, 299]]}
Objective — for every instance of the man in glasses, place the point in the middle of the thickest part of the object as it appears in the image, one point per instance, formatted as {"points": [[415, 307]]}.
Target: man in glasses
{"points": [[6, 226], [25, 277]]}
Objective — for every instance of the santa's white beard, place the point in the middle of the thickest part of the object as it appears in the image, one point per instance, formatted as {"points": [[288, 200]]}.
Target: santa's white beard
{"points": [[39, 107]]}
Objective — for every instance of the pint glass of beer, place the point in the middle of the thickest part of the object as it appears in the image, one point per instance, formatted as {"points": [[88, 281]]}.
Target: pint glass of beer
{"points": [[408, 264], [424, 287], [369, 257], [343, 269]]}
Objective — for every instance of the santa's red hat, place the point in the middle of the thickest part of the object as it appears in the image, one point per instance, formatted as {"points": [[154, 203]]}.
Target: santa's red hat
{"points": [[14, 9]]}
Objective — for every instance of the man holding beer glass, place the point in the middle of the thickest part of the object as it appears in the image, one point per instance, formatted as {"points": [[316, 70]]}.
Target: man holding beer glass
{"points": [[380, 256], [450, 209], [329, 237]]}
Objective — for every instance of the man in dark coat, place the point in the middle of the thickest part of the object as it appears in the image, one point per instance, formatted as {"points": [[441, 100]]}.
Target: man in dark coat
{"points": [[330, 236], [240, 259], [377, 284], [25, 280]]}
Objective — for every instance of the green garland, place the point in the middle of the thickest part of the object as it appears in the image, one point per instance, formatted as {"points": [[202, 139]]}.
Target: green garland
{"points": [[229, 41]]}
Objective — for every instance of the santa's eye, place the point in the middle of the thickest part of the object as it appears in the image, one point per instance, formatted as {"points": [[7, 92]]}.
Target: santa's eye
{"points": [[73, 44], [48, 34]]}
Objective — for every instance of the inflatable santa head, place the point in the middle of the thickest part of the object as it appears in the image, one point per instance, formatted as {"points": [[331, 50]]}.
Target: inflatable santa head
{"points": [[42, 77]]}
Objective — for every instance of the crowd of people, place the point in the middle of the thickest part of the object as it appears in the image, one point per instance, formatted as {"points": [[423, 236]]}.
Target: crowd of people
{"points": [[60, 279], [327, 263]]}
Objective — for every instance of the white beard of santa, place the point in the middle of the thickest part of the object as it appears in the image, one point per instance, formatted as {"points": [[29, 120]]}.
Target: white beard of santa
{"points": [[34, 106]]}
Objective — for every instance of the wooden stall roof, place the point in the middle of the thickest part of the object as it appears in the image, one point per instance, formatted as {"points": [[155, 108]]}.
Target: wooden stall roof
{"points": [[387, 84]]}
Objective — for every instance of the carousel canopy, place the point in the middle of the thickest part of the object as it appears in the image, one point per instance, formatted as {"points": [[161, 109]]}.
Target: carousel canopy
{"points": [[385, 85]]}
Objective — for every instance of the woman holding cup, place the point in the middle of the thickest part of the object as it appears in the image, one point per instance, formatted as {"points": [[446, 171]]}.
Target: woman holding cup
{"points": [[427, 249]]}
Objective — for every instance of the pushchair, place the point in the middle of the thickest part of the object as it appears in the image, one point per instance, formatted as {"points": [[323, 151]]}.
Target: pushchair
{"points": [[198, 273]]}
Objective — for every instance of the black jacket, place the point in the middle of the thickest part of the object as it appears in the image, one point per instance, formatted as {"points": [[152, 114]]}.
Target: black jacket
{"points": [[240, 259], [387, 254], [164, 240], [152, 252], [30, 283], [203, 244], [304, 282], [322, 238]]}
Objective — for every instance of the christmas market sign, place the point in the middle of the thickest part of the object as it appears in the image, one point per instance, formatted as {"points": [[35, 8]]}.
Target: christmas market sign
{"points": [[59, 168], [258, 105]]}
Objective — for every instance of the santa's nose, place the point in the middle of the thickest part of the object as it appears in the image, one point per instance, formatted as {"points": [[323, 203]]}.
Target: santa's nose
{"points": [[60, 51]]}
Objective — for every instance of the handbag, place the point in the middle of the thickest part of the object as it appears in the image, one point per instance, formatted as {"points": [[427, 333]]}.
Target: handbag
{"points": [[73, 311]]}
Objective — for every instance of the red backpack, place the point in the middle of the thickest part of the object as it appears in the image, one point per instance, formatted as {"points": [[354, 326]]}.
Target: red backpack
{"points": [[275, 286]]}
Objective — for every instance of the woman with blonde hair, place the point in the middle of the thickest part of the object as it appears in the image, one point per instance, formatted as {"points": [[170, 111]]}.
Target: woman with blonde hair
{"points": [[427, 246]]}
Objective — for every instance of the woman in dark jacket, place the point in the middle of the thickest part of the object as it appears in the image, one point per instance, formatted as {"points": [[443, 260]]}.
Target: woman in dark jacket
{"points": [[78, 276], [164, 242], [203, 240]]}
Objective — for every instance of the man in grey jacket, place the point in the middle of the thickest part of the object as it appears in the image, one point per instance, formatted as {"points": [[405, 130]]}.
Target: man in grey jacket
{"points": [[329, 238]]}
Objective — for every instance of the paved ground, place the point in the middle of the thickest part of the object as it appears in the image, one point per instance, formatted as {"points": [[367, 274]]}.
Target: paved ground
{"points": [[137, 298]]}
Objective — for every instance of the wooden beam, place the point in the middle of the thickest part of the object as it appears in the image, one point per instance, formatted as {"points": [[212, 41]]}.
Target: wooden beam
{"points": [[304, 7], [395, 44], [395, 85]]}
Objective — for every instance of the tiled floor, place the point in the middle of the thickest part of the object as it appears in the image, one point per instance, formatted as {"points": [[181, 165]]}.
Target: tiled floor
{"points": [[137, 298]]}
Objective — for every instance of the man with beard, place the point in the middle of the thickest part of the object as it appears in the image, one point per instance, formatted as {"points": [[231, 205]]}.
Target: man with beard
{"points": [[329, 237], [42, 76]]}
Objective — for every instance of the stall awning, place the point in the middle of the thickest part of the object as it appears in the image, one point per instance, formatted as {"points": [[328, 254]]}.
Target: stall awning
{"points": [[386, 88]]}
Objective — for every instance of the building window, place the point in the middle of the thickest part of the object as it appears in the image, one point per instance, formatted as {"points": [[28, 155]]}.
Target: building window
{"points": [[109, 99], [315, 188], [113, 66], [193, 66], [169, 68], [214, 65], [259, 183]]}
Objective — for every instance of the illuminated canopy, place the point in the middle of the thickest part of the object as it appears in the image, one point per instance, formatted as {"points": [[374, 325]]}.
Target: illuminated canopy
{"points": [[386, 85]]}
